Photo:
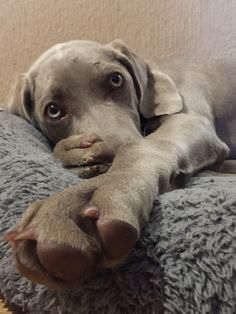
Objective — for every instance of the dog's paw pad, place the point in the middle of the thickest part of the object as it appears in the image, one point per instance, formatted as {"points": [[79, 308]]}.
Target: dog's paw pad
{"points": [[64, 262], [118, 238]]}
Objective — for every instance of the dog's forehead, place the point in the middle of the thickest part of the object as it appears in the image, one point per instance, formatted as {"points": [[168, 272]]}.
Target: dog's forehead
{"points": [[82, 52]]}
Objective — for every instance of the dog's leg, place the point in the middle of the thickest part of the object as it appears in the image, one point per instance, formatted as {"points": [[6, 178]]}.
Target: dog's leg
{"points": [[98, 221]]}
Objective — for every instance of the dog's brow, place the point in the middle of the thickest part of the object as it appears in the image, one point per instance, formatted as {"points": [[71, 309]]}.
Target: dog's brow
{"points": [[56, 93]]}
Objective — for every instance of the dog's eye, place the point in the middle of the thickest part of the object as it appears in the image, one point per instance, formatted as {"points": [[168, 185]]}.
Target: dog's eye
{"points": [[53, 111], [116, 80]]}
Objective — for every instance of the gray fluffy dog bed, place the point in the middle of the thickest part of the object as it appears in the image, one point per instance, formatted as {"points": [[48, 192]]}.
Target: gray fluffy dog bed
{"points": [[186, 256]]}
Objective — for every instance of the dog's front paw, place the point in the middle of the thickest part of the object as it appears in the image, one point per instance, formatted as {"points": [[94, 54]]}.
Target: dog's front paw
{"points": [[68, 236], [86, 155]]}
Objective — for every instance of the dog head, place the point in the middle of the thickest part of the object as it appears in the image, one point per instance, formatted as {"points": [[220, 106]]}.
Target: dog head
{"points": [[85, 87]]}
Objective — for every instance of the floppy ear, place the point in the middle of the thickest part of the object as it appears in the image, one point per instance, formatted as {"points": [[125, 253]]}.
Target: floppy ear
{"points": [[161, 96], [156, 91], [19, 101]]}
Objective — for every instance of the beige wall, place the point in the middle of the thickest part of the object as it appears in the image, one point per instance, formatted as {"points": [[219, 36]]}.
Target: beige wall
{"points": [[191, 29]]}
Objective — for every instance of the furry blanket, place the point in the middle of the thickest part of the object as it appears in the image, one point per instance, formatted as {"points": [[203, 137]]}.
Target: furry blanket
{"points": [[186, 256]]}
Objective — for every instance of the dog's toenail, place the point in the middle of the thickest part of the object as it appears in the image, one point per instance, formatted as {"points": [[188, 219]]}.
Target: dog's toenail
{"points": [[15, 235], [85, 144], [92, 212]]}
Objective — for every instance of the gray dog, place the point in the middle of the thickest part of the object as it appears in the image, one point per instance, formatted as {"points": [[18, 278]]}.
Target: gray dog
{"points": [[94, 103]]}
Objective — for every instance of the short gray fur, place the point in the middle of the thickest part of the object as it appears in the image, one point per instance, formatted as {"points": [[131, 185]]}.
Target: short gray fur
{"points": [[186, 255]]}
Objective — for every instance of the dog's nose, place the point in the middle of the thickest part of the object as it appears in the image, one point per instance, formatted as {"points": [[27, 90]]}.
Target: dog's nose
{"points": [[64, 262]]}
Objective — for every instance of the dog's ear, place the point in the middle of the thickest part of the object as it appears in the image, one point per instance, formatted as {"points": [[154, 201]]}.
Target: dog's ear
{"points": [[161, 96], [19, 100], [157, 93]]}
